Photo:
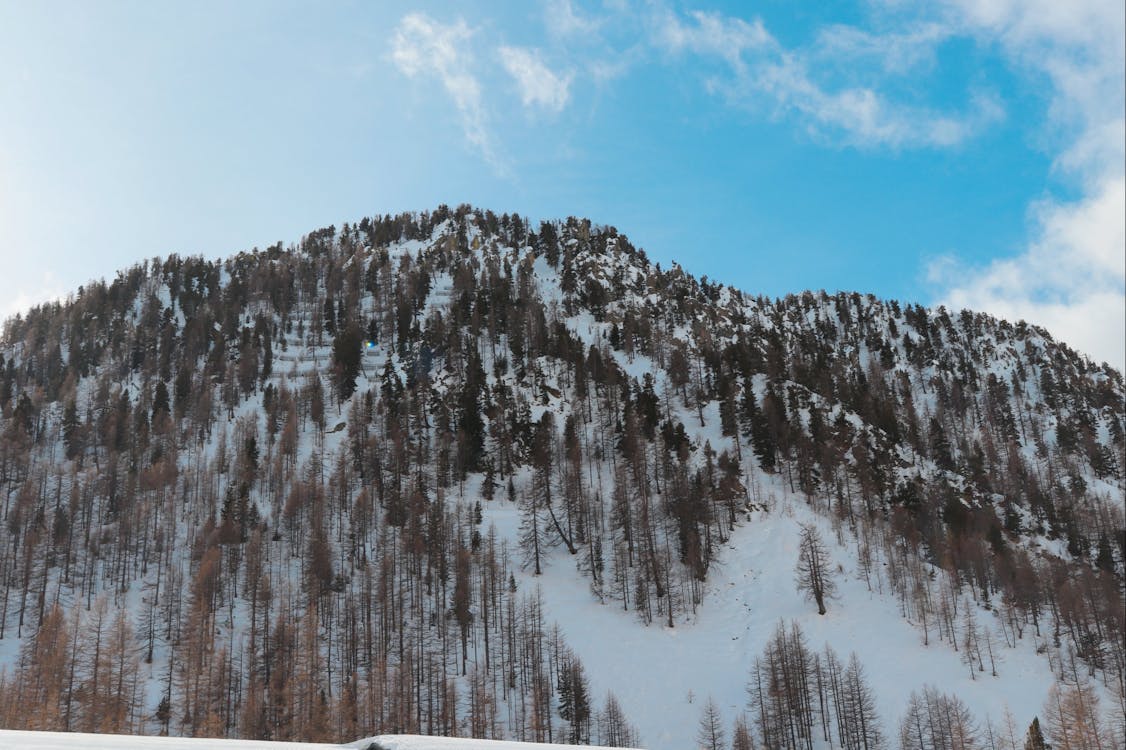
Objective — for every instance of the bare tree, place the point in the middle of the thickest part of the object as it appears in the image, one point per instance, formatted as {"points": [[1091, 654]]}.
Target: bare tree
{"points": [[1072, 717], [741, 735], [937, 721], [710, 735], [614, 730], [861, 722], [812, 573]]}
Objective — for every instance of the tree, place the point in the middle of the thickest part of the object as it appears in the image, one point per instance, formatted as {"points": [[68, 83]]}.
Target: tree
{"points": [[710, 735], [330, 316], [1034, 740], [780, 691], [347, 354], [471, 427], [937, 721], [1072, 716], [859, 720], [72, 430], [741, 735], [813, 573], [614, 729], [574, 700]]}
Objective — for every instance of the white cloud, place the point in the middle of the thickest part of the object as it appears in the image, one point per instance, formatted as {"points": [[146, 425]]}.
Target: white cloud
{"points": [[763, 70], [1072, 277], [422, 46], [538, 85], [48, 289], [896, 52], [563, 20], [712, 34], [864, 116], [1071, 280]]}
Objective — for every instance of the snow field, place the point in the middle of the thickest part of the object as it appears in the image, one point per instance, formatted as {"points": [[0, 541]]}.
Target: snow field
{"points": [[663, 676], [14, 740]]}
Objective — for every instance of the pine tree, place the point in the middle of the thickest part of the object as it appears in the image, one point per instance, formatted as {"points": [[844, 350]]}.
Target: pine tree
{"points": [[470, 424], [72, 431], [1034, 740], [347, 356]]}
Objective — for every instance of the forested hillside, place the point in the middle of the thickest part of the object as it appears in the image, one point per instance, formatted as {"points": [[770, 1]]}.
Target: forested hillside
{"points": [[264, 498]]}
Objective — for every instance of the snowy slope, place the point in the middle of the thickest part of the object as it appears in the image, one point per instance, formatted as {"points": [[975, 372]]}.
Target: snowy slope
{"points": [[14, 740], [663, 676]]}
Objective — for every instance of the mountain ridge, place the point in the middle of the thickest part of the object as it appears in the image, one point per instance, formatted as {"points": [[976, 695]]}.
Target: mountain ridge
{"points": [[630, 416]]}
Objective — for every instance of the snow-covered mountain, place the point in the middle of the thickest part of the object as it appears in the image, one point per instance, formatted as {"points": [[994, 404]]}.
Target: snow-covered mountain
{"points": [[450, 474]]}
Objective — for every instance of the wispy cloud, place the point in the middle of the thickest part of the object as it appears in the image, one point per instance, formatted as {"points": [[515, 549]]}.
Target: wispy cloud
{"points": [[840, 87], [863, 116], [896, 52], [539, 86], [563, 20], [712, 34], [762, 70], [422, 46], [1072, 276]]}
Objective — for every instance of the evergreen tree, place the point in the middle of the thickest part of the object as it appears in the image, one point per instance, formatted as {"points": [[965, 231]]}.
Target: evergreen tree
{"points": [[470, 424], [1034, 740], [330, 316], [160, 403], [72, 431], [347, 355]]}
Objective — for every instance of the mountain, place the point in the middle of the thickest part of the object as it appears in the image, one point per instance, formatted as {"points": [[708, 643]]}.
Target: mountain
{"points": [[448, 473]]}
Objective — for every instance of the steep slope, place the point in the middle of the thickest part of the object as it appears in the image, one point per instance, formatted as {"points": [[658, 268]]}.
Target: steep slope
{"points": [[311, 493]]}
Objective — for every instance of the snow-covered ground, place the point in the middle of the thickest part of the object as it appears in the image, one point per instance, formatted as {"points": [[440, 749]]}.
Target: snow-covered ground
{"points": [[663, 676], [12, 740]]}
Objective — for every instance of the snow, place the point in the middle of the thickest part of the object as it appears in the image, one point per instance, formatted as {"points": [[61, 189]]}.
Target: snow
{"points": [[13, 740], [69, 740], [414, 742], [663, 676]]}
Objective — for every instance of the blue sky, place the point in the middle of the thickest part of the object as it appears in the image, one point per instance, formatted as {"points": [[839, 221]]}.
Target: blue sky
{"points": [[966, 153]]}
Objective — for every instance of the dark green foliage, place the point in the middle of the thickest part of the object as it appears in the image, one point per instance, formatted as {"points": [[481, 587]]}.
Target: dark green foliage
{"points": [[1104, 559], [1034, 740], [160, 403], [72, 432], [347, 356], [470, 423], [330, 317]]}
